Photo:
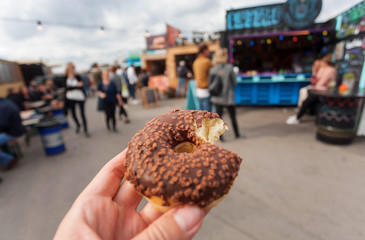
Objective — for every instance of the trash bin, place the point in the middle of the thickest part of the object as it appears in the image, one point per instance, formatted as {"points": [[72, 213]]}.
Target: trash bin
{"points": [[50, 132], [60, 117]]}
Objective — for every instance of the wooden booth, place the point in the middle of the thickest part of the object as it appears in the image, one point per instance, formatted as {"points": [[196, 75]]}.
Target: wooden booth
{"points": [[10, 77]]}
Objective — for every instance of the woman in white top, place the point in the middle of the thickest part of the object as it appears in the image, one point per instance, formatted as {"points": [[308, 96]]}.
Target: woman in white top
{"points": [[75, 96]]}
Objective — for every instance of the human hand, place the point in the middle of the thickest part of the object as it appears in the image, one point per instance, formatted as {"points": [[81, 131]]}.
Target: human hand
{"points": [[106, 209]]}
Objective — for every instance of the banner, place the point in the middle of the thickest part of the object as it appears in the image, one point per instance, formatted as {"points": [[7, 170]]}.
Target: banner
{"points": [[172, 34], [156, 42]]}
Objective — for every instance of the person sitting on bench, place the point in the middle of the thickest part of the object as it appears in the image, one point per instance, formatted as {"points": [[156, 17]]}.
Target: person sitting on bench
{"points": [[325, 79], [10, 128]]}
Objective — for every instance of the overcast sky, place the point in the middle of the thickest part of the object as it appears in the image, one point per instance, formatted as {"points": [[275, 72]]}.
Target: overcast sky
{"points": [[59, 44]]}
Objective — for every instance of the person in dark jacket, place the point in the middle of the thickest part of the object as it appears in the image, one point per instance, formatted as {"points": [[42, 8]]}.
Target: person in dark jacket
{"points": [[75, 96], [114, 77], [182, 71], [10, 128], [108, 92], [226, 97], [17, 98]]}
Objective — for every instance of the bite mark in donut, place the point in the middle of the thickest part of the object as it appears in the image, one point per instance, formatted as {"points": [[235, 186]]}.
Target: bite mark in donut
{"points": [[172, 160]]}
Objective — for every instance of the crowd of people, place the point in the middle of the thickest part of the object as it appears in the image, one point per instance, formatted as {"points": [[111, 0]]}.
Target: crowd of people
{"points": [[113, 86]]}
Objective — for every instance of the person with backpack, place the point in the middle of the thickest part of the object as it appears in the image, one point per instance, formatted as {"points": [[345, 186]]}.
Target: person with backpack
{"points": [[222, 81]]}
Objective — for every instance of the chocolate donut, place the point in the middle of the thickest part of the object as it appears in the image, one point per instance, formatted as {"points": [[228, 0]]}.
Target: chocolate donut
{"points": [[172, 160]]}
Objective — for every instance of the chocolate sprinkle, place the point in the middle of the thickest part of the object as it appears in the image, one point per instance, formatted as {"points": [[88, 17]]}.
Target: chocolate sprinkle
{"points": [[199, 177]]}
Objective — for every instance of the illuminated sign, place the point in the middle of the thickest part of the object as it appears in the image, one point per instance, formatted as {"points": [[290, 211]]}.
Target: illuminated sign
{"points": [[293, 13]]}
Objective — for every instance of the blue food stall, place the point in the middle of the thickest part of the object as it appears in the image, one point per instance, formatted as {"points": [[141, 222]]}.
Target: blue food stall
{"points": [[273, 48]]}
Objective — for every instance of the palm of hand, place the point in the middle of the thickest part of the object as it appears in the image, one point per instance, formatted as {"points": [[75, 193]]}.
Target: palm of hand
{"points": [[106, 209]]}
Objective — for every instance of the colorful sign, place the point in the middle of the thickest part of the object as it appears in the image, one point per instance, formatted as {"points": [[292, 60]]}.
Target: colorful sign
{"points": [[156, 42], [293, 13], [351, 22]]}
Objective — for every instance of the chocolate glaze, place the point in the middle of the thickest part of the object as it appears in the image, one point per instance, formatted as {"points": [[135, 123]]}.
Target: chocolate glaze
{"points": [[199, 177]]}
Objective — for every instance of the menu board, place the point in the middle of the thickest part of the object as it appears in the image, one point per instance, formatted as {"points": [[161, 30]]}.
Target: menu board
{"points": [[349, 57], [351, 22]]}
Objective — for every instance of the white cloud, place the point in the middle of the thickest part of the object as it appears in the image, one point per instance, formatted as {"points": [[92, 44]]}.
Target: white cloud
{"points": [[58, 44]]}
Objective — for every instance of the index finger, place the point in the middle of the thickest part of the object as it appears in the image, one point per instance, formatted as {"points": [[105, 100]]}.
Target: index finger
{"points": [[107, 181]]}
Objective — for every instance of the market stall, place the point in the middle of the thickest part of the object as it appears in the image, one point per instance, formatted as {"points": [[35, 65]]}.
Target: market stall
{"points": [[273, 47]]}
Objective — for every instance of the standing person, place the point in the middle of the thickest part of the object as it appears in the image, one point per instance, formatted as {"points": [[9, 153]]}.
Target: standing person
{"points": [[125, 84], [201, 67], [107, 90], [10, 128], [182, 71], [225, 99], [86, 84], [75, 96], [133, 79], [325, 77], [114, 77], [144, 76], [96, 79]]}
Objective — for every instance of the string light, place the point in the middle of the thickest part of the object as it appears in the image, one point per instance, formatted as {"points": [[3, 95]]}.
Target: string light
{"points": [[252, 43], [295, 39], [268, 41], [39, 26], [281, 38], [102, 30], [239, 42], [325, 33], [309, 37]]}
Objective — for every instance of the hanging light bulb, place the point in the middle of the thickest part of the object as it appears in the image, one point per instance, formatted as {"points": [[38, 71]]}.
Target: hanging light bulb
{"points": [[147, 34], [102, 30], [39, 26]]}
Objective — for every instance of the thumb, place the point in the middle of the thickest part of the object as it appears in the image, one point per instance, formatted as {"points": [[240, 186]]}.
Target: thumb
{"points": [[180, 224]]}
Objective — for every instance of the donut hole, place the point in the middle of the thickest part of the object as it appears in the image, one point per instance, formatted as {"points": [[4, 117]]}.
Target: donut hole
{"points": [[185, 147], [210, 130]]}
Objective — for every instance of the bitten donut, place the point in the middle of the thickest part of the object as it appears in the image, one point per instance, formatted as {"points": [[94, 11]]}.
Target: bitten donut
{"points": [[172, 160]]}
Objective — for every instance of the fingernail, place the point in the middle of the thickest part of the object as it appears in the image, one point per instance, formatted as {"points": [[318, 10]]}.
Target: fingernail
{"points": [[187, 217]]}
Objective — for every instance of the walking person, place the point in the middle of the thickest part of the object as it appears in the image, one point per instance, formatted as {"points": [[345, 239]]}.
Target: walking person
{"points": [[225, 98], [95, 80], [107, 91], [117, 79], [201, 67], [75, 96], [182, 71], [133, 79]]}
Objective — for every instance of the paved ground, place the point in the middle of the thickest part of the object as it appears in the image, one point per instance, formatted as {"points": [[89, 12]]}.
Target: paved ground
{"points": [[290, 185]]}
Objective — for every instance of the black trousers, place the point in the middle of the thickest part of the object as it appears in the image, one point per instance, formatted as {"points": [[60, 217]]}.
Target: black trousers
{"points": [[72, 105], [109, 109], [121, 108], [308, 103], [232, 114], [123, 111]]}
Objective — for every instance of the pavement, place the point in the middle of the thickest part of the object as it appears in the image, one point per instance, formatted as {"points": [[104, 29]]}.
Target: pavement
{"points": [[290, 186]]}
